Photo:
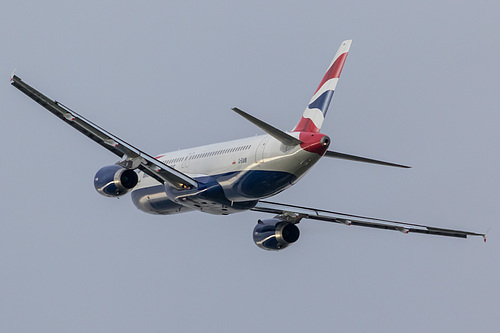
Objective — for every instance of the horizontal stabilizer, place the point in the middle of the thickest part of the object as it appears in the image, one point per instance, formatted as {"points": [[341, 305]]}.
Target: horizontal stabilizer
{"points": [[279, 135], [343, 156]]}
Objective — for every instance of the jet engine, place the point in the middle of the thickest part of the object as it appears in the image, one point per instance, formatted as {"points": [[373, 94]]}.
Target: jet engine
{"points": [[115, 181], [275, 234]]}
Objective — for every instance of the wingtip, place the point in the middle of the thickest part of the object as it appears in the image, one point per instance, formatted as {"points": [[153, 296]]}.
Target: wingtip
{"points": [[12, 75], [486, 233]]}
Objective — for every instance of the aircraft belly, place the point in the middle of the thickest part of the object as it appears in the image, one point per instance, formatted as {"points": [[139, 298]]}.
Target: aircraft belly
{"points": [[154, 200], [254, 184]]}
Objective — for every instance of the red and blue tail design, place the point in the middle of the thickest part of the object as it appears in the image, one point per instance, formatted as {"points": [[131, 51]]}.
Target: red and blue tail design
{"points": [[315, 113]]}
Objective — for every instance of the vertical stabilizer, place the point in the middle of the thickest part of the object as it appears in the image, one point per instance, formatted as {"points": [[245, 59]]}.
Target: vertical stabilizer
{"points": [[315, 113]]}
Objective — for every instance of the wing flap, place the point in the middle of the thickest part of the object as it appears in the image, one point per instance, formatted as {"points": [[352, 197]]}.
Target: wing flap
{"points": [[61, 113], [357, 220], [133, 157]]}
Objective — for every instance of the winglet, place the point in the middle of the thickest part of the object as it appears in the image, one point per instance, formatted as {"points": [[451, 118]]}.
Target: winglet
{"points": [[484, 235], [12, 75]]}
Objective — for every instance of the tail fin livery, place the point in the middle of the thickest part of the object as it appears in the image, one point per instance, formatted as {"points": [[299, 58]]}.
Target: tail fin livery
{"points": [[315, 113]]}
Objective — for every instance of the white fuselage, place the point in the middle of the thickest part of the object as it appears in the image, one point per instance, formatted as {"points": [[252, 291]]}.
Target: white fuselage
{"points": [[237, 174]]}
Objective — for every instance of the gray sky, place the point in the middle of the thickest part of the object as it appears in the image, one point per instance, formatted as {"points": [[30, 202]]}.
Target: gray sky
{"points": [[420, 86]]}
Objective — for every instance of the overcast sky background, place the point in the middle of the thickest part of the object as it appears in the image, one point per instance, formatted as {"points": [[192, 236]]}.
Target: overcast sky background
{"points": [[420, 87]]}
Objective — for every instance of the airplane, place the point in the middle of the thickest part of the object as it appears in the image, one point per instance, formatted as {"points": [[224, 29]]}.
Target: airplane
{"points": [[233, 176]]}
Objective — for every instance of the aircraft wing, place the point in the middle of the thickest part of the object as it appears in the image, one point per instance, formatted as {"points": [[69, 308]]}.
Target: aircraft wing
{"points": [[132, 157], [295, 213]]}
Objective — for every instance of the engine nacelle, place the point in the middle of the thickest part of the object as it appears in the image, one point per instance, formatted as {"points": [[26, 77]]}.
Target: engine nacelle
{"points": [[114, 180], [275, 234]]}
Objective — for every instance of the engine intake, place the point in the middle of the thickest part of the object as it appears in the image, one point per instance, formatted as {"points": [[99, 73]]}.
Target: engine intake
{"points": [[115, 181], [275, 234]]}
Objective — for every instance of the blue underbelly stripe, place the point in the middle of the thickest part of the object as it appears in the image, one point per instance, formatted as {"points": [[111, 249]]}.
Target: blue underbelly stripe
{"points": [[252, 184]]}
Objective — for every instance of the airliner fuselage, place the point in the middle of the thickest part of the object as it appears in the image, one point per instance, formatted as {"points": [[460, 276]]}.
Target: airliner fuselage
{"points": [[232, 175]]}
